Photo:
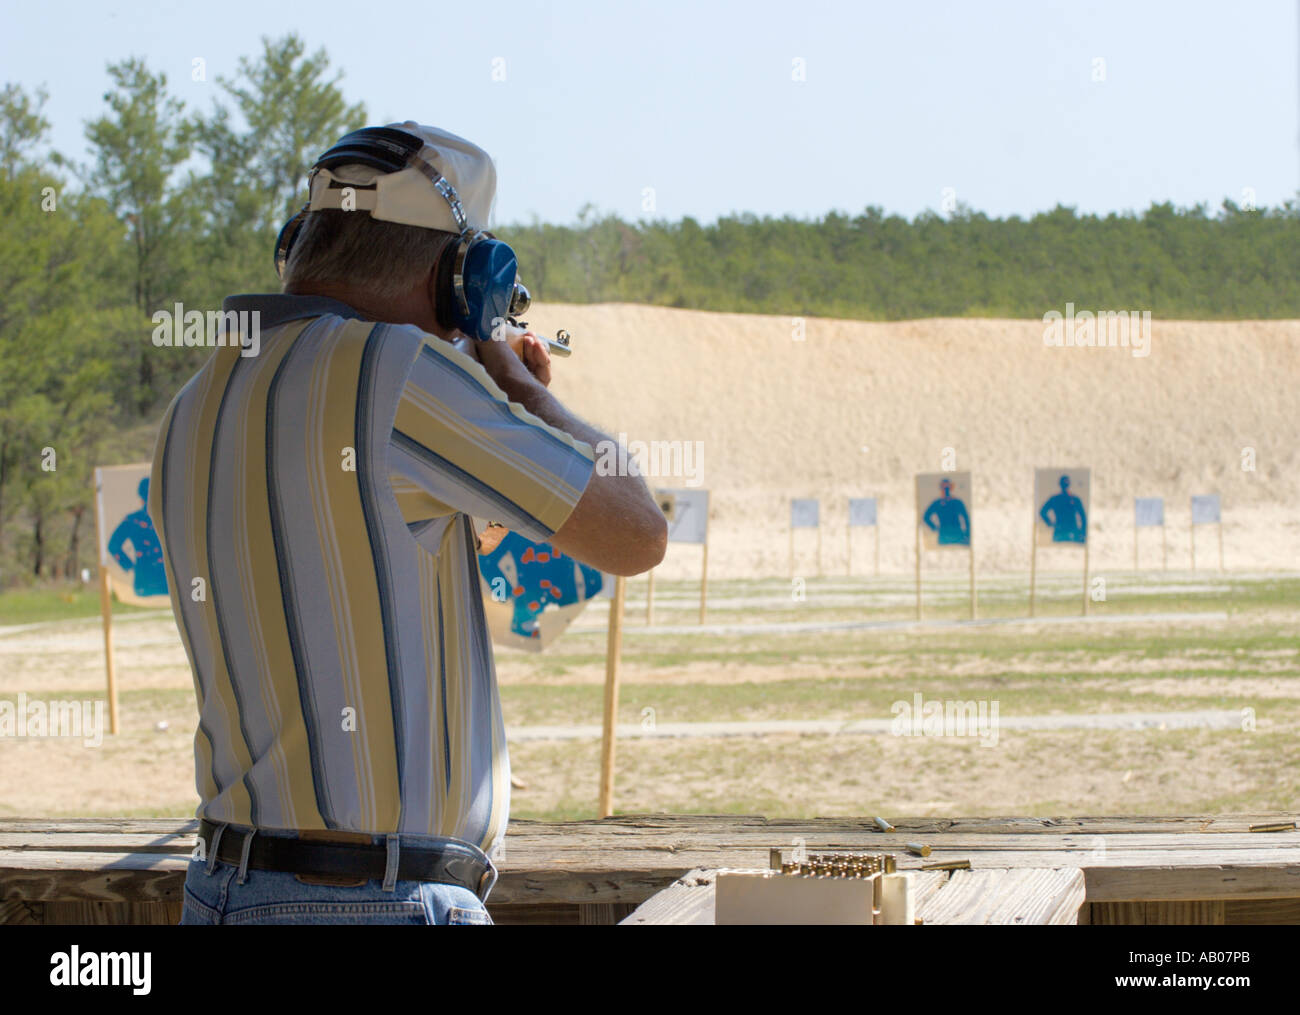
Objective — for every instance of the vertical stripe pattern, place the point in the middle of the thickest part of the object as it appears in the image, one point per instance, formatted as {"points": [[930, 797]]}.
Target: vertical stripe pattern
{"points": [[314, 503]]}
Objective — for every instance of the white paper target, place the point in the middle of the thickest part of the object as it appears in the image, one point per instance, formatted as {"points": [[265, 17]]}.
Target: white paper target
{"points": [[862, 511], [1149, 511], [804, 514], [687, 513], [1205, 509]]}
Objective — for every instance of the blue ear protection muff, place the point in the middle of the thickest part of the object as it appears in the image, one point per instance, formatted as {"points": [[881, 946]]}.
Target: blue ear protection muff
{"points": [[476, 280]]}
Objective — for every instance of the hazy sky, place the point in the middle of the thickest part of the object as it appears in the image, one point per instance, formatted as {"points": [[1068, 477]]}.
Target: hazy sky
{"points": [[698, 100]]}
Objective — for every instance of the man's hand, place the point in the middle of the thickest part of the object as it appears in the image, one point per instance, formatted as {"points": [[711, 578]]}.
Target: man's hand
{"points": [[502, 358], [616, 525]]}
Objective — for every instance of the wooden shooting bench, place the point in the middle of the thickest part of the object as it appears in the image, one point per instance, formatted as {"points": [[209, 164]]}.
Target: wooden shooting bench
{"points": [[1135, 870]]}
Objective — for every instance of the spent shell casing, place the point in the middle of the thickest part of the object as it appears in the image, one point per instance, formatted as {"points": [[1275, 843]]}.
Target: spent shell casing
{"points": [[918, 849], [883, 825], [891, 863], [947, 865], [1276, 826], [774, 859]]}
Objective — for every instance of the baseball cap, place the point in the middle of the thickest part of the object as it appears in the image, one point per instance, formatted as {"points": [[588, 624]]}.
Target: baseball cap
{"points": [[408, 196]]}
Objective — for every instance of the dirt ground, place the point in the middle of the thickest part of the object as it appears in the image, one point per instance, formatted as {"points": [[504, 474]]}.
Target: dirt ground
{"points": [[1248, 662], [857, 408]]}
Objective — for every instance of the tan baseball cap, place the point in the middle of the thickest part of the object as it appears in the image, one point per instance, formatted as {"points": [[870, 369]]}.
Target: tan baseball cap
{"points": [[408, 195]]}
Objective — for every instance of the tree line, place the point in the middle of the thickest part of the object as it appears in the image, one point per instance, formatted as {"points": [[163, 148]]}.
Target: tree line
{"points": [[183, 205]]}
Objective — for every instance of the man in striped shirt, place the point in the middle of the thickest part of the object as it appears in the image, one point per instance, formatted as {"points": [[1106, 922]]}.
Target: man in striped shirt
{"points": [[315, 505]]}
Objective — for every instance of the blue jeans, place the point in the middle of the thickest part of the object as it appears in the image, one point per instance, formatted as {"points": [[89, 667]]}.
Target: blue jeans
{"points": [[214, 894]]}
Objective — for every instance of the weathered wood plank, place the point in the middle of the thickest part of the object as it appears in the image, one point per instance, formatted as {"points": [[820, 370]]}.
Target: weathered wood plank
{"points": [[1194, 881], [967, 897], [524, 852], [696, 825], [625, 860], [113, 914], [79, 877], [603, 914], [1262, 911], [686, 902], [20, 911], [1044, 896], [1136, 871], [1201, 913], [539, 914], [1115, 914], [99, 842]]}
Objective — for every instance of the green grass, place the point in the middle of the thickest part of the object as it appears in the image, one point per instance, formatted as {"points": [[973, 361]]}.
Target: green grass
{"points": [[861, 699], [56, 603], [1028, 670]]}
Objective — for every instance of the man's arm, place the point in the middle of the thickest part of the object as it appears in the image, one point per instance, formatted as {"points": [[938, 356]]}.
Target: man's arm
{"points": [[616, 525]]}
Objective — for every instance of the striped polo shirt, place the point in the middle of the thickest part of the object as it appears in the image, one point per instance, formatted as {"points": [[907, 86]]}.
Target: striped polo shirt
{"points": [[314, 504]]}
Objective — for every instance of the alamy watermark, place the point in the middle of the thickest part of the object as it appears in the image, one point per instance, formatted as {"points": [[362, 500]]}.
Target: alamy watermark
{"points": [[1127, 329], [37, 718], [75, 968], [215, 328], [678, 459], [935, 718]]}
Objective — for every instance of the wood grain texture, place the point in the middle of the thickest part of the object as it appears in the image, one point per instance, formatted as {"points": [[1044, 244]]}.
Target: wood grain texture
{"points": [[625, 859], [21, 912], [113, 914], [1206, 913], [999, 896], [538, 914], [1271, 912], [966, 897], [1114, 914]]}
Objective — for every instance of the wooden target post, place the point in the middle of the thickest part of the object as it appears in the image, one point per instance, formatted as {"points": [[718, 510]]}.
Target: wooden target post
{"points": [[974, 596], [1149, 512], [918, 569], [105, 600], [974, 603], [1206, 510], [863, 513], [805, 513], [704, 579], [1063, 505], [1085, 578], [613, 655], [955, 488], [1033, 563]]}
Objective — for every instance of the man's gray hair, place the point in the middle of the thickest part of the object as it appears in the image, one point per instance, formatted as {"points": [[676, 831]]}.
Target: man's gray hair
{"points": [[387, 258]]}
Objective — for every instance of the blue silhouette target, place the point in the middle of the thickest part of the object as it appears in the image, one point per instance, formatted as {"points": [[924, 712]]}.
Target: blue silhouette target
{"points": [[1062, 497], [148, 576], [533, 579]]}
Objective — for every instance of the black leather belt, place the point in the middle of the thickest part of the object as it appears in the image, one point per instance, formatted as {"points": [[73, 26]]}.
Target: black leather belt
{"points": [[453, 866]]}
